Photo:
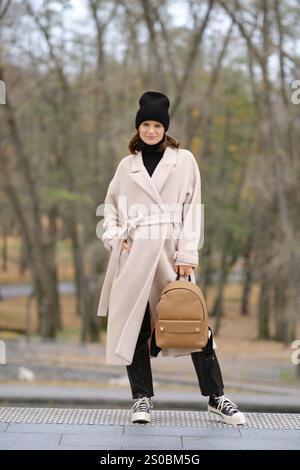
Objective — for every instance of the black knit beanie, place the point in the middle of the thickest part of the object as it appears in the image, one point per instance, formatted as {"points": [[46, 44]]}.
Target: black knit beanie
{"points": [[153, 106]]}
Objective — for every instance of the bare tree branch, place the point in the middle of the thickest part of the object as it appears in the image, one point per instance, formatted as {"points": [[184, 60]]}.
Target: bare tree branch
{"points": [[191, 59], [4, 8], [242, 29], [154, 43]]}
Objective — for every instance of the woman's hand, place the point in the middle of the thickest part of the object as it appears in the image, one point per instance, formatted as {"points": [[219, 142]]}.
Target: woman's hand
{"points": [[184, 270], [125, 246]]}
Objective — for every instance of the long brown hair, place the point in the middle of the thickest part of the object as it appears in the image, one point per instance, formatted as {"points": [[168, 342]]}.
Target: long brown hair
{"points": [[136, 143]]}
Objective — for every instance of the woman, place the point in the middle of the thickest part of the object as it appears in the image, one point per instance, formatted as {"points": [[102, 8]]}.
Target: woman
{"points": [[150, 206]]}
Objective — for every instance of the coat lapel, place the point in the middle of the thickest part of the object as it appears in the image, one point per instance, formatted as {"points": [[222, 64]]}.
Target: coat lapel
{"points": [[153, 185]]}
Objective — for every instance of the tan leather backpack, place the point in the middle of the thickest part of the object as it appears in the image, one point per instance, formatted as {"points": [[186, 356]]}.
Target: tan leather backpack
{"points": [[181, 316]]}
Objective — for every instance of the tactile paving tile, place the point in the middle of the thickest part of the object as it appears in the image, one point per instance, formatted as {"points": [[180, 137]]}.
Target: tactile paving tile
{"points": [[158, 418]]}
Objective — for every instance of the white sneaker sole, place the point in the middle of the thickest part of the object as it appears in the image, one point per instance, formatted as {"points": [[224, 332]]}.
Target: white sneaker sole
{"points": [[237, 418], [140, 417]]}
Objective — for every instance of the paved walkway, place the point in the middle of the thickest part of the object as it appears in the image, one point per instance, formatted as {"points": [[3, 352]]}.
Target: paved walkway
{"points": [[107, 395], [46, 428], [70, 361], [69, 377]]}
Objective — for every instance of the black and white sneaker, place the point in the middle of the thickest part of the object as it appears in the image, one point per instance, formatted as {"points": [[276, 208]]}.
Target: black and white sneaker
{"points": [[141, 410], [226, 409]]}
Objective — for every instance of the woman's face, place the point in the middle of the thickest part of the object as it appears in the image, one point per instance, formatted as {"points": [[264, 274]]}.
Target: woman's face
{"points": [[151, 132]]}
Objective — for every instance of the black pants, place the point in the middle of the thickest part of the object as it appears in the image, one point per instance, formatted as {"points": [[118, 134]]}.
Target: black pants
{"points": [[140, 375]]}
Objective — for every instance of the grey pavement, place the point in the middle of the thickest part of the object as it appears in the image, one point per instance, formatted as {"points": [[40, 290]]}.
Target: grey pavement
{"points": [[65, 374], [56, 360], [68, 287], [111, 429], [25, 289], [106, 396]]}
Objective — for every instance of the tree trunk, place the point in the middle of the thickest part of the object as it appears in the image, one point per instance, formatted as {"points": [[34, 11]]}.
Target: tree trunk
{"points": [[80, 280], [264, 310], [23, 257], [4, 251], [248, 271], [52, 267], [207, 272], [218, 308], [34, 236]]}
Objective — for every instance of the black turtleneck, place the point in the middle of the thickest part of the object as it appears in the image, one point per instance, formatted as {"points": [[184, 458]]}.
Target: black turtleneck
{"points": [[151, 156]]}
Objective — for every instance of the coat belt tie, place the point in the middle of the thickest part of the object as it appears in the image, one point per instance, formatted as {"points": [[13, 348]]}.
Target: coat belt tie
{"points": [[128, 225], [153, 219]]}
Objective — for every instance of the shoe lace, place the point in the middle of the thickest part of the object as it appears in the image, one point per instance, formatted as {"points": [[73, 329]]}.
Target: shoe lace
{"points": [[142, 404], [224, 403]]}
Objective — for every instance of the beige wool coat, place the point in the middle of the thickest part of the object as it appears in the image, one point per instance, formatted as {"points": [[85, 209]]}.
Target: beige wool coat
{"points": [[152, 213]]}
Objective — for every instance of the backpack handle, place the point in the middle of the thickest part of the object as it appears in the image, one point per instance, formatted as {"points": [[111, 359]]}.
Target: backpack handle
{"points": [[178, 276]]}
